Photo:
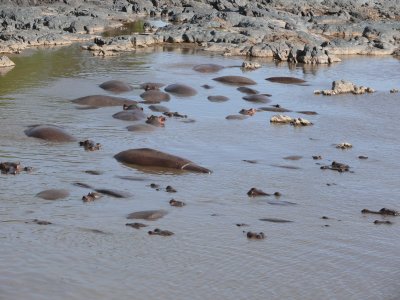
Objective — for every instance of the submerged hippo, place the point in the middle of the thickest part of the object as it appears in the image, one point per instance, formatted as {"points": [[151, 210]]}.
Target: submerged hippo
{"points": [[208, 68], [160, 232], [130, 115], [217, 98], [151, 86], [255, 236], [153, 158], [116, 86], [158, 108], [236, 117], [247, 112], [247, 90], [180, 90], [259, 98], [286, 80], [102, 100], [53, 194], [158, 121], [150, 215], [235, 80], [49, 133], [141, 128], [155, 96]]}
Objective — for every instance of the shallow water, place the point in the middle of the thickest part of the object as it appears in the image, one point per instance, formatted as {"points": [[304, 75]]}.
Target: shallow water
{"points": [[88, 252]]}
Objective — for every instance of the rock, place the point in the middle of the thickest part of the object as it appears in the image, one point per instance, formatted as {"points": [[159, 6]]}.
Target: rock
{"points": [[344, 87], [392, 91], [300, 122], [255, 236], [160, 232], [344, 146], [6, 62], [280, 119], [247, 65]]}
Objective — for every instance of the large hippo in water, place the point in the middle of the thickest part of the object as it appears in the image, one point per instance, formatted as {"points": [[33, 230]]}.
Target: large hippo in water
{"points": [[152, 158], [49, 133], [102, 100], [235, 80], [116, 86], [208, 68], [155, 96], [180, 90]]}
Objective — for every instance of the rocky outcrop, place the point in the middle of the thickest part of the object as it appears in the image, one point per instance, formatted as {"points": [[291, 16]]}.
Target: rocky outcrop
{"points": [[6, 62], [310, 32], [345, 87]]}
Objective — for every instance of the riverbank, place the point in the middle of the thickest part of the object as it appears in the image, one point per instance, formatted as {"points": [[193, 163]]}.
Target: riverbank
{"points": [[311, 32]]}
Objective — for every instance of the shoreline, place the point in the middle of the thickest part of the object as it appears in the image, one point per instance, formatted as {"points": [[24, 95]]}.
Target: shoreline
{"points": [[312, 33]]}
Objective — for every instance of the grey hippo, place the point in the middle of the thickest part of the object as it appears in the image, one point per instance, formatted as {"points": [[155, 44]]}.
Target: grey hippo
{"points": [[102, 100], [235, 80], [217, 98], [116, 86], [259, 98], [130, 115], [150, 215], [247, 112], [180, 90], [159, 108], [53, 194], [286, 80], [247, 90], [153, 158], [208, 68], [151, 86], [155, 96], [50, 133]]}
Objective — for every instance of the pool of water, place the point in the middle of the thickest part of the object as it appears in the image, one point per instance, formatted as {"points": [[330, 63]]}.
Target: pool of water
{"points": [[88, 252]]}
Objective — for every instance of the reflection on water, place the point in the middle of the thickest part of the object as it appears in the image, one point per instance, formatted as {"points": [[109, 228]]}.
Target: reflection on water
{"points": [[127, 28], [88, 252]]}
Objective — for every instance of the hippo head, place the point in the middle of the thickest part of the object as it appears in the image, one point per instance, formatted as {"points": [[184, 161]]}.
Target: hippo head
{"points": [[131, 106], [156, 120], [248, 112]]}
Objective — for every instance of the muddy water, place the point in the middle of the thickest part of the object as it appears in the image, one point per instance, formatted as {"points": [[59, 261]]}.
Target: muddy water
{"points": [[88, 252]]}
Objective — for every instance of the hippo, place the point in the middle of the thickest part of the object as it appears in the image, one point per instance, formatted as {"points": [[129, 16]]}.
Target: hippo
{"points": [[90, 197], [136, 225], [274, 109], [50, 133], [255, 236], [362, 157], [160, 232], [307, 112], [102, 101], [259, 98], [382, 211], [116, 86], [113, 193], [236, 117], [158, 121], [247, 112], [254, 192], [286, 80], [206, 86], [152, 158], [293, 157], [155, 96], [247, 90], [130, 115], [174, 114], [141, 128], [53, 194], [208, 68], [275, 220], [217, 98], [158, 108], [336, 166], [176, 203], [12, 168], [235, 80], [180, 90], [131, 106], [89, 145], [150, 215], [170, 189], [147, 86]]}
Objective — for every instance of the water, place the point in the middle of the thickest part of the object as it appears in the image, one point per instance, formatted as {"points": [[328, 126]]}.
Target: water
{"points": [[88, 252]]}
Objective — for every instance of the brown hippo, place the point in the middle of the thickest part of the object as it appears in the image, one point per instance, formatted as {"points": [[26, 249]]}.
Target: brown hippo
{"points": [[247, 112], [254, 192], [217, 98], [255, 236], [116, 86], [158, 108], [383, 211], [176, 203], [53, 194], [208, 68], [236, 117], [160, 232], [247, 90], [235, 80], [153, 158], [274, 109], [259, 98], [136, 225], [141, 128], [102, 100], [155, 96], [158, 121], [175, 114], [13, 168], [286, 80], [147, 86], [50, 133], [150, 215], [180, 90], [130, 115]]}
